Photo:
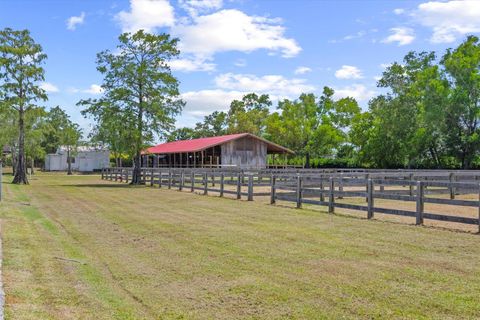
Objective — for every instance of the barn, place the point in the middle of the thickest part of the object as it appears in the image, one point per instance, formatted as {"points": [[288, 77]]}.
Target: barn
{"points": [[85, 159], [243, 150]]}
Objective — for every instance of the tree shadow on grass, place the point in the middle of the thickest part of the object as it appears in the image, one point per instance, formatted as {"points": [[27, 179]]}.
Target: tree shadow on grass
{"points": [[105, 186]]}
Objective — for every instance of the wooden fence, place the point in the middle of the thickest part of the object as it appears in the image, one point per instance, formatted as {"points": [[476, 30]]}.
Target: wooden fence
{"points": [[326, 188]]}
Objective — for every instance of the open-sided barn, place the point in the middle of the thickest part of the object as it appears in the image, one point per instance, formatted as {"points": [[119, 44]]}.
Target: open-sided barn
{"points": [[241, 150]]}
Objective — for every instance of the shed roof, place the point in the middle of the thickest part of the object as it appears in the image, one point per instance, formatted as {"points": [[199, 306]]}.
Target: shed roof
{"points": [[195, 145]]}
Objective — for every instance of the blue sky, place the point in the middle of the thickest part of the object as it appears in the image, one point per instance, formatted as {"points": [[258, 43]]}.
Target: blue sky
{"points": [[233, 47]]}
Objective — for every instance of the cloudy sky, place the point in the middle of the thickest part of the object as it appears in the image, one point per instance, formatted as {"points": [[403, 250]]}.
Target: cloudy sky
{"points": [[232, 47]]}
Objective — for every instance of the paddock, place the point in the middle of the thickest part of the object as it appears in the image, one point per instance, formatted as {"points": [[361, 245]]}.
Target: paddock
{"points": [[441, 198]]}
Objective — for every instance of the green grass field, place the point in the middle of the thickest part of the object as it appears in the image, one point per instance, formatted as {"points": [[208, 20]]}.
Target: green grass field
{"points": [[82, 248]]}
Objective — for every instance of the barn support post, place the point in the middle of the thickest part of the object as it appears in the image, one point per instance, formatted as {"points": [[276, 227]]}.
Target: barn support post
{"points": [[192, 181], [331, 196], [370, 198], [250, 188], [299, 191], [273, 189], [420, 203], [205, 183], [222, 183], [239, 186]]}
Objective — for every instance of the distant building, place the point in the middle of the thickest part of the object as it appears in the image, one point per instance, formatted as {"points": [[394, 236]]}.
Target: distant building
{"points": [[85, 159], [241, 150]]}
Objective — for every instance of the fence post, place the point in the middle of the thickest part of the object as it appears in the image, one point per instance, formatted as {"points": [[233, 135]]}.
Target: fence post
{"points": [[151, 177], [205, 183], [370, 198], [1, 178], [222, 183], [451, 178], [340, 186], [103, 173], [322, 189], [250, 187], [182, 181], [239, 186], [331, 199], [169, 179], [478, 203], [192, 181], [273, 189], [126, 175], [382, 187], [367, 177], [299, 191], [110, 171], [410, 178], [420, 203]]}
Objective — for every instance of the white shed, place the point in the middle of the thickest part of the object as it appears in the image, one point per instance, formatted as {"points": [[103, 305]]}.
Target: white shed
{"points": [[85, 159]]}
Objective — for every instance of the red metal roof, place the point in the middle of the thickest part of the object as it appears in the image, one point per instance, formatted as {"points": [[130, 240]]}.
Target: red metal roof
{"points": [[195, 145]]}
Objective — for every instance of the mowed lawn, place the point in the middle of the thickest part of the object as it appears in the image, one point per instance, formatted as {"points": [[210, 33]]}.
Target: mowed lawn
{"points": [[82, 248]]}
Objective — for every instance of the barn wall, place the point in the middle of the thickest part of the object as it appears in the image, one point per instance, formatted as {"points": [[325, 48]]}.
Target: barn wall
{"points": [[85, 161], [245, 153]]}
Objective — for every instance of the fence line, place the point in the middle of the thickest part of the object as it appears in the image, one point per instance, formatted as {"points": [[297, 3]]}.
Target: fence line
{"points": [[323, 188]]}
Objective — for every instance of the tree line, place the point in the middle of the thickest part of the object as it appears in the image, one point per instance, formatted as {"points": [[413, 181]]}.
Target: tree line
{"points": [[427, 117]]}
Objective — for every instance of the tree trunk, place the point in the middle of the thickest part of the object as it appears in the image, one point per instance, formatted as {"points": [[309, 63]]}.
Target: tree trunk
{"points": [[137, 168], [32, 163], [138, 156], [69, 162], [20, 176], [307, 160]]}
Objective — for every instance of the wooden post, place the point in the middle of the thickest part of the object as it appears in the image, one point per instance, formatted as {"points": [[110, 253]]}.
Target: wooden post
{"points": [[367, 177], [451, 178], [151, 177], [239, 186], [111, 174], [1, 178], [250, 188], [420, 203], [182, 181], [322, 189], [222, 183], [340, 186], [331, 199], [299, 191], [169, 179], [410, 178], [272, 189], [370, 198], [126, 175], [205, 183], [103, 173], [192, 181], [382, 187], [475, 178]]}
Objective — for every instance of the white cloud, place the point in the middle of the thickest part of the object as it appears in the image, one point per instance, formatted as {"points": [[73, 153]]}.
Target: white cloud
{"points": [[401, 35], [357, 91], [146, 14], [203, 102], [194, 7], [233, 30], [399, 11], [94, 89], [49, 87], [348, 72], [302, 70], [73, 21], [271, 84], [193, 64], [449, 20]]}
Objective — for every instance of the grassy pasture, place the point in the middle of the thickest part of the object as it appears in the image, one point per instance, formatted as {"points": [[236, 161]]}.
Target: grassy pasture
{"points": [[82, 248]]}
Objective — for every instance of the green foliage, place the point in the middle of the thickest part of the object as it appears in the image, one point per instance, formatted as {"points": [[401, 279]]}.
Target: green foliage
{"points": [[140, 91]]}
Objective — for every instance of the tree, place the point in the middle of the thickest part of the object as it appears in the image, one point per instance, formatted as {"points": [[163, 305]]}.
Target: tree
{"points": [[310, 127], [21, 59], [139, 84], [215, 124], [462, 66], [71, 135], [249, 114]]}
